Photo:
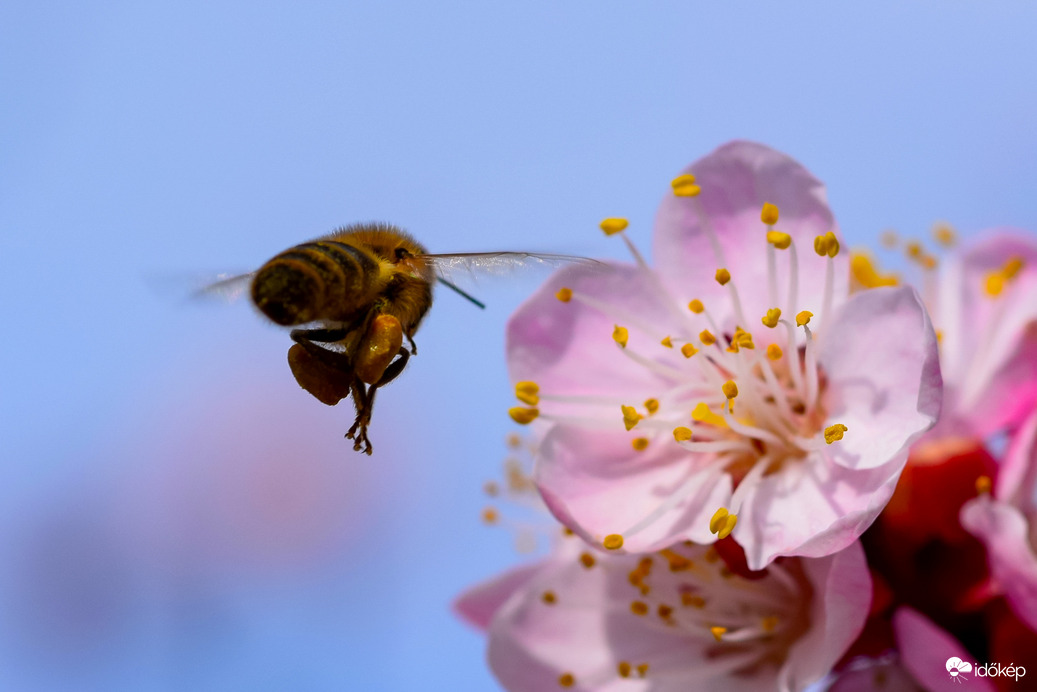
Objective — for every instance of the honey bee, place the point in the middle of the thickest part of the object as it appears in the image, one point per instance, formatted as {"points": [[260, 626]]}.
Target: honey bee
{"points": [[355, 295]]}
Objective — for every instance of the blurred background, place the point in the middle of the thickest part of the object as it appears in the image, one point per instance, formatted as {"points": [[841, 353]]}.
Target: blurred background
{"points": [[175, 513]]}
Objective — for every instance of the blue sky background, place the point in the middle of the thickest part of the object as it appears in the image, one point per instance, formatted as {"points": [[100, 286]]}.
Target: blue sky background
{"points": [[175, 514]]}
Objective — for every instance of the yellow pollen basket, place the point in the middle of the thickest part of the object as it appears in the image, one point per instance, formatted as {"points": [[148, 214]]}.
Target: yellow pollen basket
{"points": [[523, 416], [564, 294], [696, 306], [834, 433], [774, 352], [723, 276], [684, 186], [612, 226], [630, 417], [527, 392], [620, 335], [688, 350], [771, 318], [769, 214], [707, 338], [803, 317], [779, 240], [682, 434]]}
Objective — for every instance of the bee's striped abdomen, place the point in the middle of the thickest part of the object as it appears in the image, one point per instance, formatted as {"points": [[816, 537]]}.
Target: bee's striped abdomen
{"points": [[319, 280]]}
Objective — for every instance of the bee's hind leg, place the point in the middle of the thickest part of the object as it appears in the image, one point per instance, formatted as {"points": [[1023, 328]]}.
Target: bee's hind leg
{"points": [[309, 338], [363, 398]]}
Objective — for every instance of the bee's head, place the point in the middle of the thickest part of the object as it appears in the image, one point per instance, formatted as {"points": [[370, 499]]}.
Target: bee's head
{"points": [[287, 292]]}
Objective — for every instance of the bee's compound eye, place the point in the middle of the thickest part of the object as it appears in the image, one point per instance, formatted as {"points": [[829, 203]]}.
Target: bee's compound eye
{"points": [[401, 253], [288, 292]]}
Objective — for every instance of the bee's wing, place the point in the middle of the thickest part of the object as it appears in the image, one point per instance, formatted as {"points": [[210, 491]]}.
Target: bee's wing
{"points": [[225, 287], [497, 263]]}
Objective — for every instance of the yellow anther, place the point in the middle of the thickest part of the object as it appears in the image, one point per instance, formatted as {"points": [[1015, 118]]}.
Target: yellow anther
{"points": [[664, 611], [1012, 267], [702, 414], [743, 338], [769, 214], [730, 389], [834, 433], [718, 521], [630, 417], [889, 238], [803, 317], [914, 249], [567, 532], [696, 306], [639, 444], [623, 669], [491, 488], [523, 416], [613, 541], [771, 318], [994, 284], [667, 342], [549, 597], [620, 335], [642, 670], [821, 245], [612, 226], [779, 240], [774, 352], [929, 262], [489, 516], [564, 294], [678, 563], [939, 336], [866, 275], [566, 680], [682, 434], [729, 525], [684, 186], [692, 601], [651, 405], [707, 338], [723, 276], [983, 485], [718, 631], [945, 234], [832, 248], [514, 441], [527, 392], [733, 348], [587, 560], [769, 623], [688, 350], [639, 608]]}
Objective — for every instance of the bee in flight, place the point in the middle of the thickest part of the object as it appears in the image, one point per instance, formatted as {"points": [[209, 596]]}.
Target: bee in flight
{"points": [[355, 295]]}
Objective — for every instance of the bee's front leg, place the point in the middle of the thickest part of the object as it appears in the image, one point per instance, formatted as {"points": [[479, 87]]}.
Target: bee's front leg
{"points": [[363, 398]]}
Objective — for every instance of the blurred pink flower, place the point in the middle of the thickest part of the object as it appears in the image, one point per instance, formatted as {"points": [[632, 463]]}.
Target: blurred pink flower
{"points": [[771, 405], [984, 304], [1007, 523], [675, 620]]}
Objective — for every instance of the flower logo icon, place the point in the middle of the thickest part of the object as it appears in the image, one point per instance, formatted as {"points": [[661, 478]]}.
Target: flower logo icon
{"points": [[956, 666]]}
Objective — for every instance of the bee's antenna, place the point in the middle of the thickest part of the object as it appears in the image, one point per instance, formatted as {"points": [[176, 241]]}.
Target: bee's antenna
{"points": [[460, 292]]}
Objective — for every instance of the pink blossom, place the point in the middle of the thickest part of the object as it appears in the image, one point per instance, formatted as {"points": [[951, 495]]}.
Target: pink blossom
{"points": [[674, 620], [1007, 523], [707, 412], [983, 304]]}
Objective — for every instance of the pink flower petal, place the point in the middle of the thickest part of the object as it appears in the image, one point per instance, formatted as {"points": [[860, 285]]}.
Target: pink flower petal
{"points": [[478, 604], [1013, 563], [596, 484], [736, 180], [925, 650], [881, 360]]}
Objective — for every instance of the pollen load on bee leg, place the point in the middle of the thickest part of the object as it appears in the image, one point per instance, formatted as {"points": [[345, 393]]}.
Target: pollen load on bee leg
{"points": [[380, 345], [328, 385]]}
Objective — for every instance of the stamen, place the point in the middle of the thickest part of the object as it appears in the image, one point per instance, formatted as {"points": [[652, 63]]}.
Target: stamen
{"points": [[718, 632], [774, 352], [612, 226], [549, 597], [630, 417], [723, 276], [718, 520], [523, 416], [490, 516], [688, 350], [696, 306], [702, 414], [834, 433], [684, 186], [779, 240], [944, 234], [667, 342], [707, 338], [564, 294], [803, 317], [651, 405], [682, 434], [639, 608], [527, 392], [983, 485], [810, 363], [566, 680], [587, 560], [639, 444], [771, 318], [613, 541], [769, 214], [620, 335]]}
